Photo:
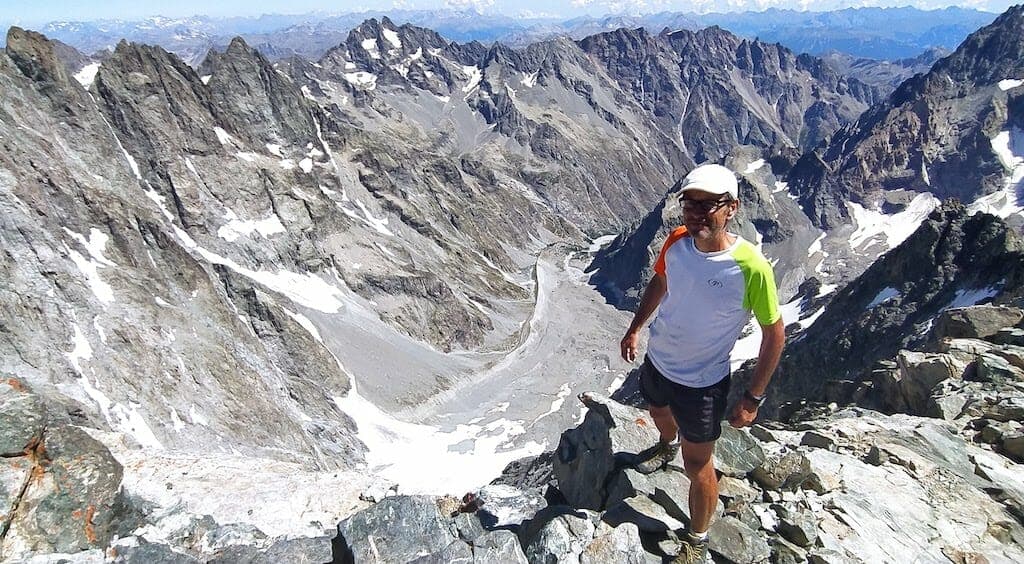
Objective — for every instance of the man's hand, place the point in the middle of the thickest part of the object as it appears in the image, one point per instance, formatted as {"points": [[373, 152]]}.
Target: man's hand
{"points": [[628, 346], [743, 414]]}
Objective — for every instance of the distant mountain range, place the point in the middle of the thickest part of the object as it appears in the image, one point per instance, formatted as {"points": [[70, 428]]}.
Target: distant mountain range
{"points": [[876, 33]]}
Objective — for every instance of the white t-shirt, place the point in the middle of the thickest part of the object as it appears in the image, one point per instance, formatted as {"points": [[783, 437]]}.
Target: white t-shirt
{"points": [[710, 298]]}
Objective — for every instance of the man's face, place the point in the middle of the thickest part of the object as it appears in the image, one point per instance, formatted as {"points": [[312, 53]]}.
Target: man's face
{"points": [[705, 215]]}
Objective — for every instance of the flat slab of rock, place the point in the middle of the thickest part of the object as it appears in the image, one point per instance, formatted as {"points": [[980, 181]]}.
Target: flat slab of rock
{"points": [[736, 452]]}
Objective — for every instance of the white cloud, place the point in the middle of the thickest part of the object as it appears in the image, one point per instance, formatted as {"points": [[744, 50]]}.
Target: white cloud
{"points": [[478, 5]]}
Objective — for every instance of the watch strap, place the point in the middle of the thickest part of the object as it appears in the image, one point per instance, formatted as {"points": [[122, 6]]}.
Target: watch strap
{"points": [[758, 400]]}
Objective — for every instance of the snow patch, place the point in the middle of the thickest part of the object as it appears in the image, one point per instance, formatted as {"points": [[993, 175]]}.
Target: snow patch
{"points": [[87, 74], [884, 295], [236, 228], [306, 165], [747, 347], [378, 224], [81, 350], [1004, 85], [223, 136], [616, 384], [563, 393], [306, 289], [370, 46], [1009, 148], [274, 149], [197, 418], [130, 421], [529, 80], [391, 37], [246, 156], [475, 75], [362, 78], [599, 242], [895, 228], [964, 298], [754, 166], [424, 459], [176, 421], [305, 323], [206, 78], [90, 267], [780, 187], [99, 330], [826, 289]]}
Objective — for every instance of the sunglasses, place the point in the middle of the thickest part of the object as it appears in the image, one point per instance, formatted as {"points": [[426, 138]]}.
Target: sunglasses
{"points": [[703, 206]]}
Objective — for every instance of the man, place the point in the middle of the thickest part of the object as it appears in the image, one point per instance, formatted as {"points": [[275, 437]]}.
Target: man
{"points": [[707, 283]]}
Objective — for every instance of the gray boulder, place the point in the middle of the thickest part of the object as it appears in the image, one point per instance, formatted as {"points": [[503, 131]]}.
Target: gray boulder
{"points": [[1013, 445], [647, 515], [976, 322], [609, 437], [996, 368], [456, 551], [295, 551], [136, 550], [1006, 408], [1009, 336], [921, 372], [561, 538], [786, 471], [398, 529], [614, 544], [736, 452], [797, 524], [785, 552], [22, 418], [498, 546], [628, 483], [736, 542], [505, 505], [75, 502]]}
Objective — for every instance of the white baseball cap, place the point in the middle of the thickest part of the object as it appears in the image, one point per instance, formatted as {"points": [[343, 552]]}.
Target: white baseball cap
{"points": [[712, 178]]}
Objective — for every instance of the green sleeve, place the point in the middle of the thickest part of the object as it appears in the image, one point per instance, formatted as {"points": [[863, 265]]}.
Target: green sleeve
{"points": [[760, 295]]}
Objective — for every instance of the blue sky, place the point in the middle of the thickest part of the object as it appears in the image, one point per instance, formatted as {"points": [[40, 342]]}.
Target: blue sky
{"points": [[42, 11]]}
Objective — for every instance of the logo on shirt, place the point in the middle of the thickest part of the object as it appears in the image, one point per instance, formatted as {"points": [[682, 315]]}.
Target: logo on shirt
{"points": [[717, 284]]}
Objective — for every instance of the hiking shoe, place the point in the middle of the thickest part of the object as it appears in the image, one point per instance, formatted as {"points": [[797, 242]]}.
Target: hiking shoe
{"points": [[661, 455], [692, 551]]}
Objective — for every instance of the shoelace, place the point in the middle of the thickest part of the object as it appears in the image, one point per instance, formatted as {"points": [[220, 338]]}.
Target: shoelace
{"points": [[693, 553]]}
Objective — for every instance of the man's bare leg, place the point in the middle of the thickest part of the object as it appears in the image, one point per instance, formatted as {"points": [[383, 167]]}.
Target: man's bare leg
{"points": [[665, 423], [700, 468]]}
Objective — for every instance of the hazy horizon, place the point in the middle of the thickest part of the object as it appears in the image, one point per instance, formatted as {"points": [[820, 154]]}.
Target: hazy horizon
{"points": [[41, 13]]}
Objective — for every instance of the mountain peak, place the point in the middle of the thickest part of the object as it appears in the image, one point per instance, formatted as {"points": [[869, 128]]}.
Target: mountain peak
{"points": [[34, 56]]}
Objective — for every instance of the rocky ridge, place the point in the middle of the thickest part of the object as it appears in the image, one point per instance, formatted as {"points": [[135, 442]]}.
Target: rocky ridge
{"points": [[939, 133], [953, 259], [816, 489], [947, 457]]}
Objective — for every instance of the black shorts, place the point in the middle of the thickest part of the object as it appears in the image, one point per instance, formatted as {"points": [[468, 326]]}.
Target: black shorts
{"points": [[698, 411]]}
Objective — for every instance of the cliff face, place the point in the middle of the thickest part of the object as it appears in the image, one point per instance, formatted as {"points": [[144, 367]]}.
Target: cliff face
{"points": [[937, 133]]}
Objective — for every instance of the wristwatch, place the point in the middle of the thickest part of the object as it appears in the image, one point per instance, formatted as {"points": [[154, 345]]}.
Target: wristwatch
{"points": [[758, 400]]}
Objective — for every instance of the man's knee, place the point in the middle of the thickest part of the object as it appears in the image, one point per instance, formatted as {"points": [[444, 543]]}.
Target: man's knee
{"points": [[698, 457], [659, 412]]}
